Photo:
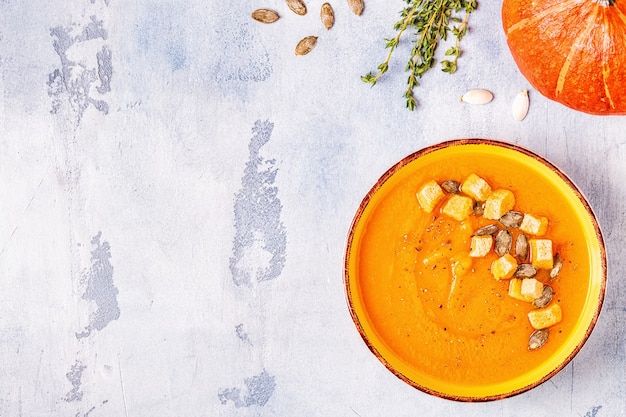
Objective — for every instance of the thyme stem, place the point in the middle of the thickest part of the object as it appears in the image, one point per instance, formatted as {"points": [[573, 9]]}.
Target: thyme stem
{"points": [[432, 22]]}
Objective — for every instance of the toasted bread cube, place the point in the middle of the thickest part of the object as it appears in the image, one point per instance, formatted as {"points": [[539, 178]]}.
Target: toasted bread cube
{"points": [[515, 290], [498, 203], [534, 225], [429, 196], [459, 207], [480, 246], [504, 267], [531, 288], [541, 256], [476, 187], [543, 318]]}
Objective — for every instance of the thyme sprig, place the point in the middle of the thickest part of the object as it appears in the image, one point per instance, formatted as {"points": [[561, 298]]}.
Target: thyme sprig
{"points": [[432, 21]]}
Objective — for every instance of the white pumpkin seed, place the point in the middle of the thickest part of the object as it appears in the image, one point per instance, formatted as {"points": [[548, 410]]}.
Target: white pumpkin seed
{"points": [[521, 103], [477, 96]]}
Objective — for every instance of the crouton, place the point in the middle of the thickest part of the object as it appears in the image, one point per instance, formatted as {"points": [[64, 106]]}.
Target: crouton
{"points": [[515, 290], [541, 256], [504, 267], [534, 225], [459, 207], [531, 288], [498, 203], [543, 318], [480, 246], [476, 187], [429, 196]]}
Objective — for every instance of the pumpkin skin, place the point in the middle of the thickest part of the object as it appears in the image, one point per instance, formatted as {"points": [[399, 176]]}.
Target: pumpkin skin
{"points": [[571, 51]]}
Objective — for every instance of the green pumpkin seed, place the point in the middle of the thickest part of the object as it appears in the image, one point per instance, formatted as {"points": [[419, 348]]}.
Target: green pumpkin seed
{"points": [[546, 297], [521, 247], [557, 265], [525, 271], [504, 242], [538, 338], [451, 186], [490, 229], [512, 219]]}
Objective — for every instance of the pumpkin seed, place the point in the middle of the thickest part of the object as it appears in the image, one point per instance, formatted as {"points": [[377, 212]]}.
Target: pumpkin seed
{"points": [[521, 103], [356, 6], [297, 6], [556, 267], [512, 219], [546, 297], [525, 271], [538, 338], [477, 97], [327, 15], [490, 229], [521, 247], [504, 241], [265, 15], [451, 186], [478, 208], [306, 45]]}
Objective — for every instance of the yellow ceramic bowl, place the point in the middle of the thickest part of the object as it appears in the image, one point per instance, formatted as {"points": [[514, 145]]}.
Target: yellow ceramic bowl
{"points": [[453, 333]]}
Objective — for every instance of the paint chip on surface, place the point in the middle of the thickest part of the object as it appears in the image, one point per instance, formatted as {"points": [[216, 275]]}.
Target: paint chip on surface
{"points": [[260, 240], [75, 377], [70, 84], [257, 391], [242, 334], [100, 288]]}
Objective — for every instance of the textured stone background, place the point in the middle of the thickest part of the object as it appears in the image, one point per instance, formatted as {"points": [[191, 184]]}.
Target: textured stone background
{"points": [[175, 192]]}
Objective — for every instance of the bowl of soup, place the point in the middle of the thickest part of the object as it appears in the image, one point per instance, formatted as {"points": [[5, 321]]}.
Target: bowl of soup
{"points": [[475, 269]]}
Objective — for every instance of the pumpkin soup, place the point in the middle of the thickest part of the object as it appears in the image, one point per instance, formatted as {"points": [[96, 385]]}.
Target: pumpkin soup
{"points": [[439, 282]]}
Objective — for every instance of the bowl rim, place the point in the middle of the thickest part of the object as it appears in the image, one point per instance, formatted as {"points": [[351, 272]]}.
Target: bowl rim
{"points": [[462, 142]]}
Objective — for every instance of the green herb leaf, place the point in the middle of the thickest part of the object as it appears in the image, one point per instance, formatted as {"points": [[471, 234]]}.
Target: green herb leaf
{"points": [[431, 21]]}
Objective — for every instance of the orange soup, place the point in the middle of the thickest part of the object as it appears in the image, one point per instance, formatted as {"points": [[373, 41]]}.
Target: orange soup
{"points": [[461, 326]]}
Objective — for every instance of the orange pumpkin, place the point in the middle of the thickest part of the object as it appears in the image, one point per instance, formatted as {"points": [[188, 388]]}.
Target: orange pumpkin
{"points": [[571, 51]]}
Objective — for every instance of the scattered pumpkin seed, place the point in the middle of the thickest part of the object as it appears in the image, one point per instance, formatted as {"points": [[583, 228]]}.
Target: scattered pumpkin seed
{"points": [[451, 186], [477, 96], [521, 247], [504, 241], [525, 271], [356, 6], [306, 45], [327, 15], [490, 229], [265, 15], [512, 219], [297, 6], [546, 297], [557, 265], [521, 103], [538, 338]]}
